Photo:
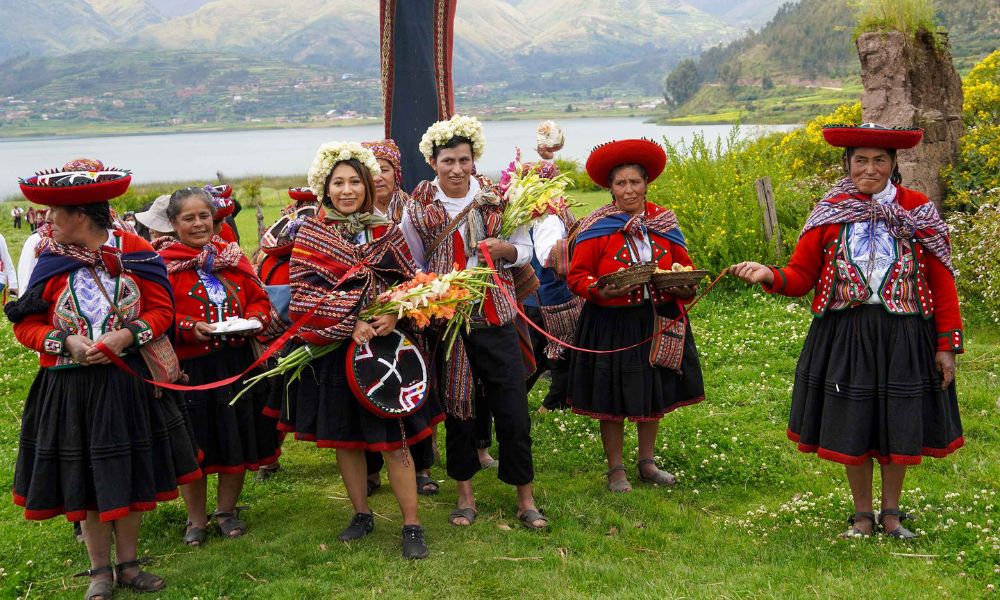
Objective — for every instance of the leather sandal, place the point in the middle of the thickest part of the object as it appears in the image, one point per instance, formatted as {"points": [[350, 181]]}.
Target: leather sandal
{"points": [[659, 478], [528, 518], [194, 536], [854, 532], [468, 513], [620, 486], [361, 525], [423, 481], [900, 532], [143, 582], [100, 588], [232, 522]]}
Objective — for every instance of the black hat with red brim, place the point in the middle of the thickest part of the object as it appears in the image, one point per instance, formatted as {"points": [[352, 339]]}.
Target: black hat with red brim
{"points": [[604, 158], [871, 135], [78, 182]]}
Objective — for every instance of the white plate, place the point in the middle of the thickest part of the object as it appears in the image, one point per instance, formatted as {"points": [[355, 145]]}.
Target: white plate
{"points": [[237, 325]]}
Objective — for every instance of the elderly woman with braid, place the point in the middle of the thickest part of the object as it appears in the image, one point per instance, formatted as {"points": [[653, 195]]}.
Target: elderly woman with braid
{"points": [[214, 282], [875, 379], [654, 374]]}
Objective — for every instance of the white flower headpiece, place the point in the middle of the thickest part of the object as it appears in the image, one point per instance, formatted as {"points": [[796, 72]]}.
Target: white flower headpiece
{"points": [[550, 135], [332, 153], [441, 132]]}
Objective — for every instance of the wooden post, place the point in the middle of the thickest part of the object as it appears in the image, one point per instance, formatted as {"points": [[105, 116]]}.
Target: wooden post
{"points": [[260, 223], [765, 197]]}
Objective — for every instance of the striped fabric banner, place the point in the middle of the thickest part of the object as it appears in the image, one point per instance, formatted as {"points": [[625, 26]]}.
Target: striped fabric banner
{"points": [[417, 89]]}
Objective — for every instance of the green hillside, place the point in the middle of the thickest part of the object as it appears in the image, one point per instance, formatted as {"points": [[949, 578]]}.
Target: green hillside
{"points": [[805, 57], [171, 88]]}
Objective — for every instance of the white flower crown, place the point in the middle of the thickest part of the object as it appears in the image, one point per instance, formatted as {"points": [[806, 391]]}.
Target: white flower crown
{"points": [[441, 132], [331, 153], [549, 134]]}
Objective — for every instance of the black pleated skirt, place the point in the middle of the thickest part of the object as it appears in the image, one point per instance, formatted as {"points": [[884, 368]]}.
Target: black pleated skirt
{"points": [[321, 408], [95, 439], [624, 385], [234, 438], [866, 386]]}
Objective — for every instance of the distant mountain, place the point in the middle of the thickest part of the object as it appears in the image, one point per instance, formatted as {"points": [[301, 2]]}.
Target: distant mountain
{"points": [[813, 41], [128, 15], [741, 13], [51, 27], [176, 8]]}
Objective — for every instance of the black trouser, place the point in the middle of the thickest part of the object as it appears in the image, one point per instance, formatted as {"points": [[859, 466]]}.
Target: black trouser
{"points": [[555, 399], [422, 453], [497, 369]]}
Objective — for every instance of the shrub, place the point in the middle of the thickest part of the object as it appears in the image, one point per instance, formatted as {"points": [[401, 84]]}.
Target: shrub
{"points": [[908, 16], [581, 181], [976, 254], [977, 172], [711, 188]]}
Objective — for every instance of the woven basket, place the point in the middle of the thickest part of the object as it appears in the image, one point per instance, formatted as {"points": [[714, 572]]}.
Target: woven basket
{"points": [[663, 280], [636, 274]]}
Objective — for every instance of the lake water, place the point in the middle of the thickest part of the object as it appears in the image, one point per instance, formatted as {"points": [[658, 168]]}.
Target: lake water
{"points": [[197, 156]]}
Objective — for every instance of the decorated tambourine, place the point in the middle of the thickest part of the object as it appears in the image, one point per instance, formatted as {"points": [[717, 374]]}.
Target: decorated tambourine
{"points": [[388, 375], [80, 181]]}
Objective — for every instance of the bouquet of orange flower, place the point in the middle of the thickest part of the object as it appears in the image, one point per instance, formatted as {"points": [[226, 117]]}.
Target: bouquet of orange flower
{"points": [[532, 191], [427, 297]]}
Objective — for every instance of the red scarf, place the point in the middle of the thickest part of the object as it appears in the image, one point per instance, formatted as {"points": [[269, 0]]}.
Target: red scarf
{"points": [[214, 256]]}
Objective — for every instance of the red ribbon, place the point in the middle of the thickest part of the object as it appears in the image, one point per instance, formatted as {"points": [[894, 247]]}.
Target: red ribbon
{"points": [[496, 280], [275, 346]]}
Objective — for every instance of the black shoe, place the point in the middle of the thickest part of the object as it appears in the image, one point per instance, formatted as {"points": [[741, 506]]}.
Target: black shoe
{"points": [[361, 525], [413, 542]]}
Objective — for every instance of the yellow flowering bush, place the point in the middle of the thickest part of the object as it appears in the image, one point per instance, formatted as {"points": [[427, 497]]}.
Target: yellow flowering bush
{"points": [[974, 192], [711, 188]]}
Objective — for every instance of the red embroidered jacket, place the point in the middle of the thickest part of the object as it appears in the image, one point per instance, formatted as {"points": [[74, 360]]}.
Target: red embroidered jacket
{"points": [[916, 283], [146, 305], [600, 256], [244, 298]]}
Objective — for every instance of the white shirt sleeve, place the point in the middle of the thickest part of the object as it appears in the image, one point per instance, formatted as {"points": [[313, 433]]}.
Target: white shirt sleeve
{"points": [[522, 242], [9, 275], [412, 240], [26, 261], [545, 234]]}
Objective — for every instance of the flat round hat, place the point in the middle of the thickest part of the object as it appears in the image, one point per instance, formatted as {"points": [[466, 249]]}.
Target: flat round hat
{"points": [[872, 135], [80, 181], [604, 158]]}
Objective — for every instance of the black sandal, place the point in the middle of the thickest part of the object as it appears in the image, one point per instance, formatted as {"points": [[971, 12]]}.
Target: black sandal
{"points": [[622, 485], [102, 588], [194, 536], [900, 532], [425, 480], [143, 582], [232, 522], [854, 532], [661, 477], [361, 525]]}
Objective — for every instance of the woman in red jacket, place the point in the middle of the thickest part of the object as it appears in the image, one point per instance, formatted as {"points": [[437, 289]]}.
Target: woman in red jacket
{"points": [[876, 374], [213, 281], [646, 382], [95, 444]]}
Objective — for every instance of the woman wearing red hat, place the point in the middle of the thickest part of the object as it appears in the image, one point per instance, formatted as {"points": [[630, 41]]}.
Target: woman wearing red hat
{"points": [[214, 282], [876, 374], [644, 383], [95, 444]]}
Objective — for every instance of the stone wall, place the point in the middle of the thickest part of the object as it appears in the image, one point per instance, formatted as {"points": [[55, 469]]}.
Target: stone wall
{"points": [[914, 85]]}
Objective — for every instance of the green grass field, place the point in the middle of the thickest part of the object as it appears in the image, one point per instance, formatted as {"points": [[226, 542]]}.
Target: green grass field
{"points": [[750, 517]]}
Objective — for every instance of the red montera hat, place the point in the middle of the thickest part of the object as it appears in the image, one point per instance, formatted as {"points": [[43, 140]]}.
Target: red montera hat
{"points": [[80, 181], [643, 152], [871, 135]]}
